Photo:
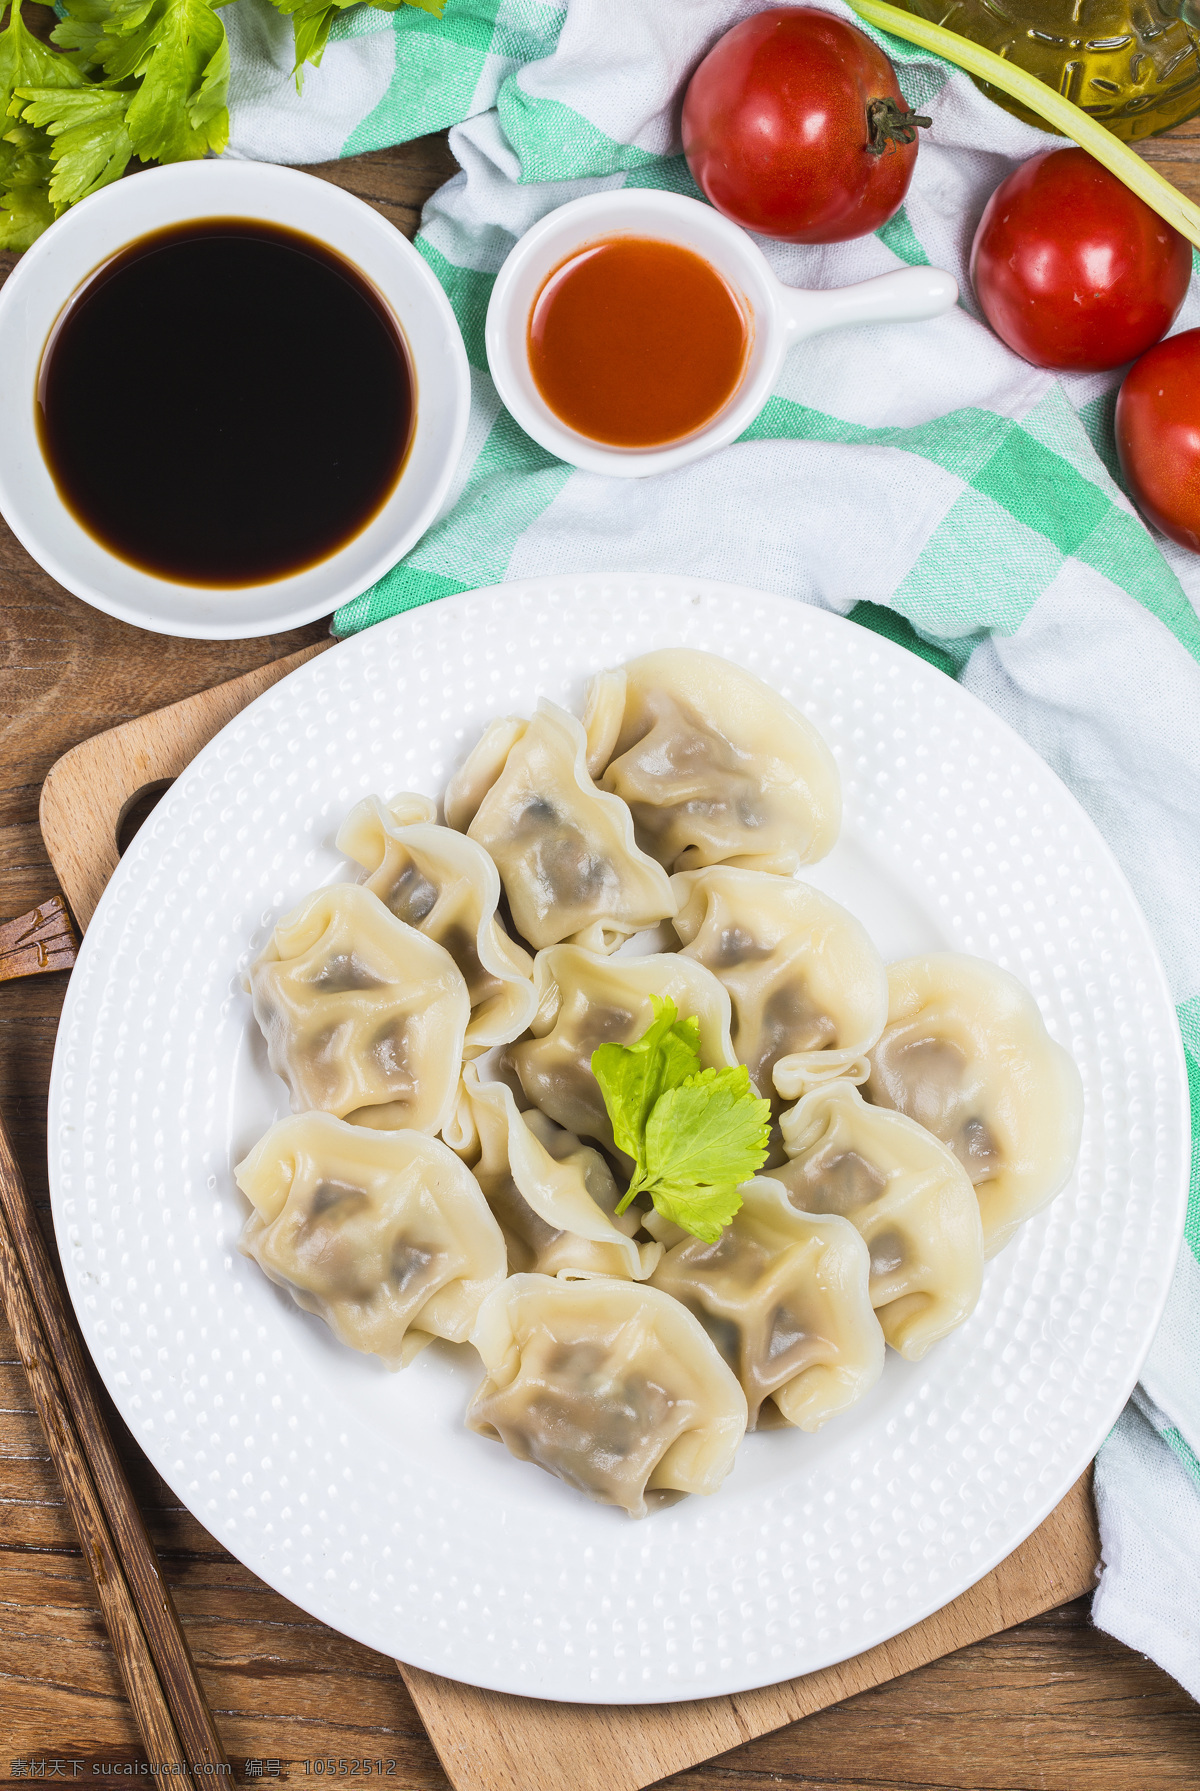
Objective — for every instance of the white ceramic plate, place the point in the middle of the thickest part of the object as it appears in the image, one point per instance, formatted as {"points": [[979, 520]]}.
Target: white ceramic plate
{"points": [[359, 1494]]}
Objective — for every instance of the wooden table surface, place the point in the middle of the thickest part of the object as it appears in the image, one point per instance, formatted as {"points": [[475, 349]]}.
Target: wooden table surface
{"points": [[1051, 1706]]}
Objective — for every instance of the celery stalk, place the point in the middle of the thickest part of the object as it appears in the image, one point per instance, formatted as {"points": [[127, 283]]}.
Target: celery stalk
{"points": [[1116, 156]]}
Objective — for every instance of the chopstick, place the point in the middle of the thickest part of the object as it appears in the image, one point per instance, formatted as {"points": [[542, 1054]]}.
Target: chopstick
{"points": [[169, 1705], [43, 939]]}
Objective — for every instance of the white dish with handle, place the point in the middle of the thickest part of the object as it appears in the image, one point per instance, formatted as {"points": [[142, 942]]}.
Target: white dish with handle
{"points": [[777, 316]]}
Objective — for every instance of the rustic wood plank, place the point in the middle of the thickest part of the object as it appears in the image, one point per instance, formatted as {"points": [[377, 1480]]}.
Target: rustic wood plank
{"points": [[1047, 1707], [492, 1743], [90, 790], [395, 182], [1051, 1704], [1176, 156]]}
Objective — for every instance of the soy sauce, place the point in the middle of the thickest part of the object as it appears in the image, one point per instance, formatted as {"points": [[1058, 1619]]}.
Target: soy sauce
{"points": [[225, 402], [636, 342]]}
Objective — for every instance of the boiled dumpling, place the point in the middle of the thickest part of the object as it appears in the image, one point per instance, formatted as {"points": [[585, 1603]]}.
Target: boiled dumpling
{"points": [[565, 850], [716, 767], [554, 1197], [967, 1055], [610, 1385], [483, 765], [784, 1296], [808, 988], [363, 1016], [448, 888], [585, 1000], [384, 1235], [905, 1192]]}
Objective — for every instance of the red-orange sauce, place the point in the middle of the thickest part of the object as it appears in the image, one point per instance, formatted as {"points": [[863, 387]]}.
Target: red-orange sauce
{"points": [[636, 342]]}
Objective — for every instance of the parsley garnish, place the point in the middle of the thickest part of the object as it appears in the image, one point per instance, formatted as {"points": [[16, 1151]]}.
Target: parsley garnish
{"points": [[313, 19], [694, 1135], [144, 78]]}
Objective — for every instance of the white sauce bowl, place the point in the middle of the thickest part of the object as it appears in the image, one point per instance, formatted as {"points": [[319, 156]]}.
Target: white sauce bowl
{"points": [[778, 316], [89, 235]]}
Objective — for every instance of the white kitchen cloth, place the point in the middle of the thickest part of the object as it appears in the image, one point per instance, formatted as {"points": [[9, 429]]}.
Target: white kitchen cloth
{"points": [[922, 479]]}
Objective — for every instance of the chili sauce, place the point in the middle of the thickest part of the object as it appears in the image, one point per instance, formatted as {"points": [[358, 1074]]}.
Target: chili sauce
{"points": [[225, 402], [637, 342]]}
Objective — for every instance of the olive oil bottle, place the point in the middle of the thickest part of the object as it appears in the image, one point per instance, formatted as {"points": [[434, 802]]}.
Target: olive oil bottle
{"points": [[1133, 65]]}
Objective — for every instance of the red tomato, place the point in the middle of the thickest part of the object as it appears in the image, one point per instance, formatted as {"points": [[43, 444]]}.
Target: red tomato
{"points": [[1158, 436], [777, 134], [1073, 270]]}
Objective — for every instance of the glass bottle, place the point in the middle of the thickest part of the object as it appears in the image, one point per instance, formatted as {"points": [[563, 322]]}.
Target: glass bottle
{"points": [[1133, 65]]}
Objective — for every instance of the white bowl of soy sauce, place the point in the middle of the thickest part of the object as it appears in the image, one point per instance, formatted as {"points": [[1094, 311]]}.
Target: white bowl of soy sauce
{"points": [[292, 399]]}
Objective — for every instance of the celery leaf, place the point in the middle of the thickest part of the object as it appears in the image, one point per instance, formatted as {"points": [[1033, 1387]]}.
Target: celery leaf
{"points": [[694, 1135]]}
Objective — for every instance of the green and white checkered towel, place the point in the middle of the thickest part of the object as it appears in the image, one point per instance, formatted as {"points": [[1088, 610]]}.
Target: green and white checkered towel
{"points": [[922, 480]]}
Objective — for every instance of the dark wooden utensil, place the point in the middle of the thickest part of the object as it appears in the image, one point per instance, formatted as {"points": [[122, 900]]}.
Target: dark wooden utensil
{"points": [[151, 1650], [44, 939]]}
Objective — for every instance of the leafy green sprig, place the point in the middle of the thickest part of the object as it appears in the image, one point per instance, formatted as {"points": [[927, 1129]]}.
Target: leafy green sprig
{"points": [[312, 20], [144, 79], [26, 158], [694, 1135]]}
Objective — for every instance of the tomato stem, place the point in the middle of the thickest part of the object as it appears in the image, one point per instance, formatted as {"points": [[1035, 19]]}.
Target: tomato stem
{"points": [[889, 124]]}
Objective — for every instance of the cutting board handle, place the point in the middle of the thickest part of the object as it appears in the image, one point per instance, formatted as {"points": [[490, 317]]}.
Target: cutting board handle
{"points": [[92, 789]]}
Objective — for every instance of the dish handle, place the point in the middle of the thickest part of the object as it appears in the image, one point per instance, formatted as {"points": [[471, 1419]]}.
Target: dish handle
{"points": [[907, 295]]}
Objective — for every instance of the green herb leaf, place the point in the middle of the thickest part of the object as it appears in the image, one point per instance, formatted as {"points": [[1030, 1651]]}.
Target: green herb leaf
{"points": [[26, 161], [178, 51], [88, 26], [179, 113], [311, 25], [312, 19], [90, 145], [632, 1077], [24, 62], [694, 1135], [703, 1140], [25, 208], [705, 1212]]}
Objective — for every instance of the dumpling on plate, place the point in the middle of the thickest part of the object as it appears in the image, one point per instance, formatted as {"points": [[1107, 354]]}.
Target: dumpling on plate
{"points": [[565, 851], [585, 1000], [717, 768], [808, 988], [384, 1235], [610, 1385], [908, 1195], [448, 888], [784, 1297], [363, 1016], [554, 1197], [966, 1054]]}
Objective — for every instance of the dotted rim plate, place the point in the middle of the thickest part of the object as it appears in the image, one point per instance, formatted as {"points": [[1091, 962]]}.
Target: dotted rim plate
{"points": [[360, 1495]]}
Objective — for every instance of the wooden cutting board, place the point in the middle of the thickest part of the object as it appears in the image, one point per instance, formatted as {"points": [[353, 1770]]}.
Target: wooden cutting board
{"points": [[488, 1741]]}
